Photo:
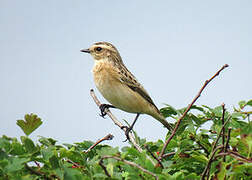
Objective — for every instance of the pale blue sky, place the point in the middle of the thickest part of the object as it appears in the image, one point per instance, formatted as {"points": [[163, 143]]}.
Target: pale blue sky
{"points": [[172, 47]]}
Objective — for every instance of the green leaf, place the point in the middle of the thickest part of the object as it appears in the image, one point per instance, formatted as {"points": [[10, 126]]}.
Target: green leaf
{"points": [[168, 111], [5, 144], [248, 139], [200, 158], [17, 148], [197, 107], [107, 151], [48, 152], [16, 164], [249, 102], [72, 174], [28, 144], [30, 123], [47, 141], [242, 104], [218, 111], [192, 176], [54, 161], [110, 169]]}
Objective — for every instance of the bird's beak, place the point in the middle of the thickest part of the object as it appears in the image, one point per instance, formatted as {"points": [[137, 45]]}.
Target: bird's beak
{"points": [[85, 50]]}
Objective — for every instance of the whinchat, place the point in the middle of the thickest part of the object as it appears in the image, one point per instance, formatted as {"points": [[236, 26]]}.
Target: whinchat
{"points": [[118, 85]]}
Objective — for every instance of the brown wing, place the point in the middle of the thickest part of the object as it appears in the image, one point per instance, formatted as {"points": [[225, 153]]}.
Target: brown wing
{"points": [[132, 83]]}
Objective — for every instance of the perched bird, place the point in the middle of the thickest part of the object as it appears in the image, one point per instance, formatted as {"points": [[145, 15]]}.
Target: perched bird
{"points": [[118, 85]]}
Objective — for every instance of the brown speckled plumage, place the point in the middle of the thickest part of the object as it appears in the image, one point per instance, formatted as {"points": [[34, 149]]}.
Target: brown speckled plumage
{"points": [[118, 85]]}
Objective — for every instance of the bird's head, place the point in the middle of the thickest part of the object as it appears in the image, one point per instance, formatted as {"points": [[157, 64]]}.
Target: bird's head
{"points": [[102, 50]]}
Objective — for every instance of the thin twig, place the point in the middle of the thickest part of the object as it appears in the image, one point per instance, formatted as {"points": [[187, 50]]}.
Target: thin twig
{"points": [[203, 147], [131, 164], [114, 119], [159, 162], [173, 153], [108, 137], [209, 162], [214, 149], [43, 175], [223, 130], [38, 165], [220, 133], [74, 163], [104, 167], [119, 124], [228, 137], [168, 154], [235, 155], [188, 108], [35, 172], [223, 121]]}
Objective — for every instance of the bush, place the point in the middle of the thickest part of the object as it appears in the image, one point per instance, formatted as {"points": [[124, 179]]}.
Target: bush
{"points": [[221, 152]]}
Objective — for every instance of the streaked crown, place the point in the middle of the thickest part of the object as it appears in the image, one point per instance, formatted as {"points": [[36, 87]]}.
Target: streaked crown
{"points": [[101, 50]]}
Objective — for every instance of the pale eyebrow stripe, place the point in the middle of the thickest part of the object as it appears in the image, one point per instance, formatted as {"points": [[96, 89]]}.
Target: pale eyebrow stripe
{"points": [[105, 47]]}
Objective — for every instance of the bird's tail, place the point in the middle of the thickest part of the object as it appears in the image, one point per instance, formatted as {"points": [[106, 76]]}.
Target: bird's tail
{"points": [[161, 119]]}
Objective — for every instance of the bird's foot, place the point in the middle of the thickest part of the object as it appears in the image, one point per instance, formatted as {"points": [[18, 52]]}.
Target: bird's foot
{"points": [[103, 107], [128, 129]]}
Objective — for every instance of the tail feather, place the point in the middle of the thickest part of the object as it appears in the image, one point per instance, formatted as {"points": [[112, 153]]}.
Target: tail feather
{"points": [[161, 119], [166, 124]]}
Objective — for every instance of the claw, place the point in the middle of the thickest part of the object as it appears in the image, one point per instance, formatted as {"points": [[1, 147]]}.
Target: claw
{"points": [[103, 107], [128, 129]]}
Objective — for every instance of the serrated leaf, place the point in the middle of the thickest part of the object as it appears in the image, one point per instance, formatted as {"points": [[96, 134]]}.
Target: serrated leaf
{"points": [[54, 161], [107, 151], [100, 176], [218, 111], [197, 107], [17, 148], [28, 144], [47, 141], [241, 103], [200, 158], [249, 102], [72, 174], [192, 176], [168, 111], [110, 169], [48, 152], [16, 164], [30, 123], [5, 144]]}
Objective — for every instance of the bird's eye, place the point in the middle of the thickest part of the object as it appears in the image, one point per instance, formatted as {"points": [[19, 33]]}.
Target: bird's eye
{"points": [[98, 49]]}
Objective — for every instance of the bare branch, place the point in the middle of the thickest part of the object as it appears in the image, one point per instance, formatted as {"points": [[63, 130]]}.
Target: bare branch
{"points": [[119, 124], [202, 147], [159, 162], [168, 154], [104, 167], [220, 133], [108, 137], [223, 130], [42, 174], [228, 137], [223, 121], [188, 108], [235, 155], [76, 165], [114, 119], [131, 164], [209, 162], [214, 149]]}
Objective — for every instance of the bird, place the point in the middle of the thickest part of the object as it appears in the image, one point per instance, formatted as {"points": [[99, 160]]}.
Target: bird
{"points": [[119, 86]]}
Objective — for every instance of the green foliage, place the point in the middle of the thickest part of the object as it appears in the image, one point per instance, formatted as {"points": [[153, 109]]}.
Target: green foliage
{"points": [[187, 154], [30, 123]]}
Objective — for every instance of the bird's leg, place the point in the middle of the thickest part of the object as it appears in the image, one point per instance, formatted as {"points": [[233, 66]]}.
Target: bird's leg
{"points": [[103, 107], [128, 129]]}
